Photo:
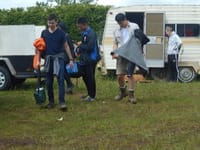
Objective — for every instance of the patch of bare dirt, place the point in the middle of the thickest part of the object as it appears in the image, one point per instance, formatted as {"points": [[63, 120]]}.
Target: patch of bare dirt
{"points": [[12, 142]]}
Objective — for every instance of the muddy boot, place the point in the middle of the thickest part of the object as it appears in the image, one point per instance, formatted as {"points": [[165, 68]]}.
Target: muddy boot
{"points": [[122, 94], [131, 97]]}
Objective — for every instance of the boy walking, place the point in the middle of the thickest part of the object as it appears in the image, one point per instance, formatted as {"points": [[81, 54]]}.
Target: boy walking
{"points": [[55, 40], [89, 56]]}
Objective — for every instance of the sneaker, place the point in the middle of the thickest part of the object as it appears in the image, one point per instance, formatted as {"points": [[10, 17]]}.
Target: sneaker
{"points": [[50, 106], [83, 97], [63, 107], [69, 89], [87, 99]]}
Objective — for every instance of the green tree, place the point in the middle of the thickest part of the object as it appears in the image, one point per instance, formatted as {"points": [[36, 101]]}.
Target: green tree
{"points": [[66, 13], [65, 2], [86, 1], [41, 4]]}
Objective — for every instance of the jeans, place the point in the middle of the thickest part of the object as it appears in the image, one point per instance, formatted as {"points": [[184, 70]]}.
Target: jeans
{"points": [[88, 74], [60, 79], [173, 67]]}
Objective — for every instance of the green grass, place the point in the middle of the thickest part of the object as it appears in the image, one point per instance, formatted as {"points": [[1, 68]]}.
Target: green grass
{"points": [[167, 117]]}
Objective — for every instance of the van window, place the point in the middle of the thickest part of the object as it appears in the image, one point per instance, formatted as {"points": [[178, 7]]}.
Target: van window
{"points": [[188, 30]]}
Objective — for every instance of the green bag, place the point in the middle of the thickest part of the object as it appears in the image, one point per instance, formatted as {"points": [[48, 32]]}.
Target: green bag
{"points": [[40, 96]]}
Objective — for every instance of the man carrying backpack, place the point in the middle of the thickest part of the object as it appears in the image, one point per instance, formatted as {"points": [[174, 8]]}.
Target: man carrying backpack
{"points": [[88, 51], [128, 52]]}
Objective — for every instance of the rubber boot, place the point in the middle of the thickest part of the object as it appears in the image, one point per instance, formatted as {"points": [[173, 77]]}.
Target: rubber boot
{"points": [[131, 97], [123, 93]]}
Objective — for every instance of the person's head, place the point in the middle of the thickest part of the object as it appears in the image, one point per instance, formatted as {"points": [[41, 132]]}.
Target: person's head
{"points": [[52, 21], [62, 26], [121, 20], [82, 23], [168, 30]]}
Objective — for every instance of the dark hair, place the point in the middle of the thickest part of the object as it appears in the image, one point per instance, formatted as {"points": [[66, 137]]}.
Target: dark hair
{"points": [[169, 28], [82, 20], [62, 26], [53, 17], [120, 17]]}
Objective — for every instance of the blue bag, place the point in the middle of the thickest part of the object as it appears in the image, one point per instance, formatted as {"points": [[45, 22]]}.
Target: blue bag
{"points": [[72, 70]]}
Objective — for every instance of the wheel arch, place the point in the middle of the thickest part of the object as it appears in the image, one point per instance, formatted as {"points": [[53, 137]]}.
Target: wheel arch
{"points": [[195, 65], [6, 63]]}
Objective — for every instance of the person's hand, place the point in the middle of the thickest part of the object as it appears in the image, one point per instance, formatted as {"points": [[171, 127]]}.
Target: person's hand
{"points": [[71, 64], [77, 54], [115, 56], [79, 43], [77, 51]]}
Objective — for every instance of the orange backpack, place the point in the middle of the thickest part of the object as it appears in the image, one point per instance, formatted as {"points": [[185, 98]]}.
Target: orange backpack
{"points": [[39, 44]]}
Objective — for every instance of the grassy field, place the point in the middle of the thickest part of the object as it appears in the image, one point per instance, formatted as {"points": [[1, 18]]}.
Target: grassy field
{"points": [[167, 117]]}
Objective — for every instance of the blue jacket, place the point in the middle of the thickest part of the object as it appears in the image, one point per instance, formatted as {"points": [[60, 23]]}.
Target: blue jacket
{"points": [[89, 50]]}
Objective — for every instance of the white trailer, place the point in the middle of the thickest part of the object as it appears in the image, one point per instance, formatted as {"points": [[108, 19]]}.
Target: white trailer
{"points": [[16, 53], [152, 19]]}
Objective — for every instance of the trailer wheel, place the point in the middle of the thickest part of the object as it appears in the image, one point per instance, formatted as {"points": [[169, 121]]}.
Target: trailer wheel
{"points": [[5, 78], [186, 74]]}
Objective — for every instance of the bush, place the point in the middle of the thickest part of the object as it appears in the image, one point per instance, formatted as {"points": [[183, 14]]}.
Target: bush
{"points": [[67, 13]]}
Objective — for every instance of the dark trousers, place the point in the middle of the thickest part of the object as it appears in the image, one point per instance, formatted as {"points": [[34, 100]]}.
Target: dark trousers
{"points": [[60, 79], [88, 75], [173, 67], [68, 79]]}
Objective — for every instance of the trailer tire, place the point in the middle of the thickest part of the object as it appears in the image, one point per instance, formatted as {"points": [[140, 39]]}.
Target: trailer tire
{"points": [[5, 78], [187, 74]]}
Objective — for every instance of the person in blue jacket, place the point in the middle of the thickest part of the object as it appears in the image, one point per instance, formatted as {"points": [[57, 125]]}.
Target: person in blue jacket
{"points": [[88, 51]]}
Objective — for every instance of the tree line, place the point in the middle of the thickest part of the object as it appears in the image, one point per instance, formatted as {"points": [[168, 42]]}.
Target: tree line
{"points": [[68, 14]]}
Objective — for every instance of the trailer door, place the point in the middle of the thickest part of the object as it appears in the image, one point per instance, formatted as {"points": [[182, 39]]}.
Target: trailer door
{"points": [[155, 30]]}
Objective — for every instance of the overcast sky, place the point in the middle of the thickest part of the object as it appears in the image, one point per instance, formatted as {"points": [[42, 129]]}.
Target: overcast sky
{"points": [[7, 4]]}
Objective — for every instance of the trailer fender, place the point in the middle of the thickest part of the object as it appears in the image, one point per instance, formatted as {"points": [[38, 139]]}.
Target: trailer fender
{"points": [[194, 65]]}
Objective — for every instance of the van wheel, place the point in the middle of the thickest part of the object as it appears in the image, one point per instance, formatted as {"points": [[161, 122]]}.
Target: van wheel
{"points": [[5, 78], [186, 74]]}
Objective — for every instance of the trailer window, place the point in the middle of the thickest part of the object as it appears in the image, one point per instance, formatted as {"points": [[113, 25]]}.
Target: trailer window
{"points": [[188, 30], [136, 17]]}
